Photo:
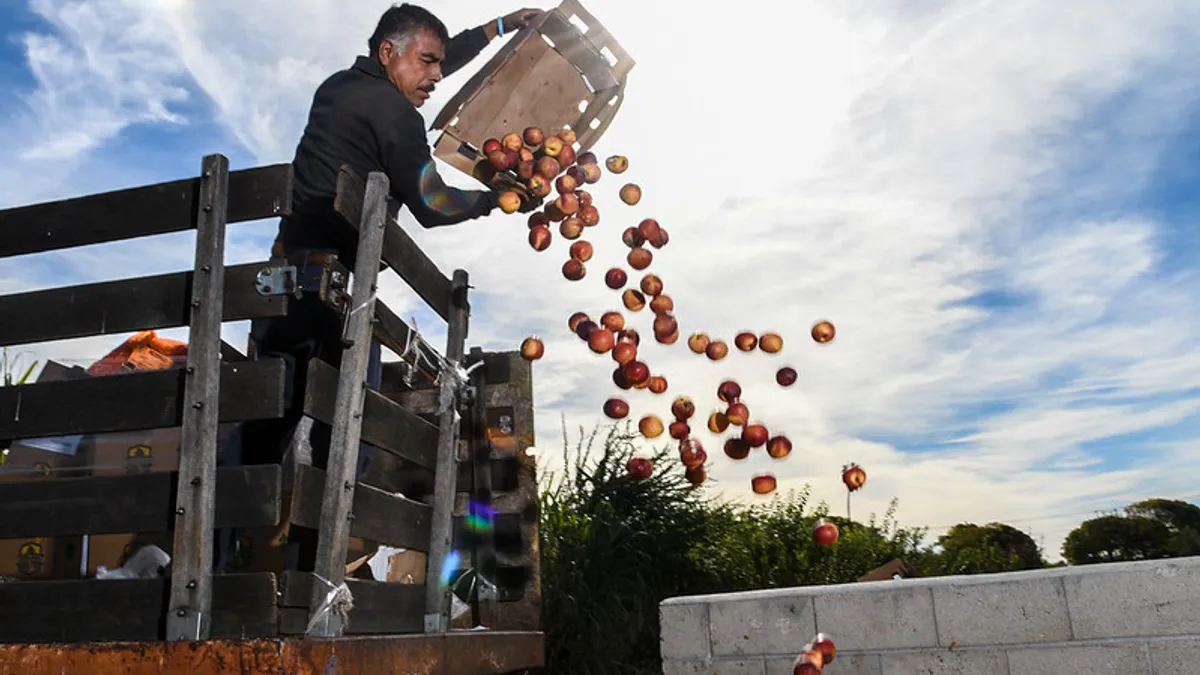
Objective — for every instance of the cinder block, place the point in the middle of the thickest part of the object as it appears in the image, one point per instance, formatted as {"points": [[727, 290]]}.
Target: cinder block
{"points": [[1171, 657], [683, 631], [716, 667], [997, 613], [1128, 658], [1135, 599], [843, 664], [772, 624], [946, 662], [865, 619]]}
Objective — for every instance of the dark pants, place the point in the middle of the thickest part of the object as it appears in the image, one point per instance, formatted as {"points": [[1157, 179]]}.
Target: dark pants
{"points": [[309, 330]]}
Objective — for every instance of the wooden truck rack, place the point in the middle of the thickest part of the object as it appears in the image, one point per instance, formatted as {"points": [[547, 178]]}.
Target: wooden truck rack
{"points": [[470, 407]]}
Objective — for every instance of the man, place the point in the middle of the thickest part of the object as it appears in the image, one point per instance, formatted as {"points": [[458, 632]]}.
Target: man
{"points": [[365, 116]]}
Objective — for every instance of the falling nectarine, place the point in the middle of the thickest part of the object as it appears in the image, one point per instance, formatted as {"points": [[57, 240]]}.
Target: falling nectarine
{"points": [[571, 228], [619, 379], [639, 468], [692, 454], [736, 449], [584, 329], [632, 238], [601, 340], [624, 351], [754, 434], [650, 426], [616, 408], [539, 237], [630, 334], [615, 278], [581, 250], [554, 213], [648, 228], [509, 201], [552, 146], [585, 197], [566, 156], [716, 350], [825, 533], [698, 342], [718, 422], [537, 218], [823, 332], [574, 270], [586, 158], [589, 215], [745, 341], [591, 173], [568, 203], [824, 644], [786, 376], [665, 324], [662, 304], [771, 343], [696, 475], [658, 384], [539, 185], [763, 484], [652, 285], [729, 391], [532, 349], [779, 447], [617, 163], [565, 183], [679, 430], [639, 258], [575, 319], [683, 408], [737, 413], [612, 320], [567, 134], [634, 300], [630, 193], [660, 238], [636, 372]]}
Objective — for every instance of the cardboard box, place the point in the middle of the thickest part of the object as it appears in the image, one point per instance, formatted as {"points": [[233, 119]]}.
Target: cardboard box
{"points": [[565, 69]]}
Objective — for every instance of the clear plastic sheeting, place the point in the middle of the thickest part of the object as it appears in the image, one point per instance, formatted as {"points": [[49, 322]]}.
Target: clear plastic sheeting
{"points": [[147, 562]]}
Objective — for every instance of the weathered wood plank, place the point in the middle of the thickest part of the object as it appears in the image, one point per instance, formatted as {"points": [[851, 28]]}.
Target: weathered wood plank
{"points": [[417, 483], [393, 333], [126, 305], [189, 610], [105, 610], [400, 252], [484, 544], [141, 400], [247, 496], [260, 192], [379, 607], [385, 424], [378, 516], [437, 598], [339, 497]]}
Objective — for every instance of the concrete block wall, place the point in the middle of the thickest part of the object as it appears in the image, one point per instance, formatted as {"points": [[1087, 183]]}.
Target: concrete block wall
{"points": [[1140, 618]]}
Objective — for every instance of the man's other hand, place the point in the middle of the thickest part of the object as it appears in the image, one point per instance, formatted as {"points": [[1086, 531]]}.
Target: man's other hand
{"points": [[520, 18]]}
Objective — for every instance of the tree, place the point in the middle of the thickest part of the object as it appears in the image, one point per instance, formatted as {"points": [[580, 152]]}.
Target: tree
{"points": [[1116, 538], [968, 548], [1181, 518]]}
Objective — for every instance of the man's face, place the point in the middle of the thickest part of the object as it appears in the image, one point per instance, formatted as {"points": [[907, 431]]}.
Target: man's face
{"points": [[415, 70]]}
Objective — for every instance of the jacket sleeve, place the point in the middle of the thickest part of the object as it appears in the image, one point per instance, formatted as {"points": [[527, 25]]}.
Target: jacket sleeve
{"points": [[462, 48], [415, 181]]}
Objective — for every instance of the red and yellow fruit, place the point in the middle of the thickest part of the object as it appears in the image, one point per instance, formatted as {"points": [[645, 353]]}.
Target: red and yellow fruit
{"points": [[763, 484], [616, 408], [771, 343], [630, 193], [745, 341], [779, 447], [617, 163], [639, 468], [534, 136], [736, 449], [633, 300], [639, 258], [532, 349], [698, 343], [650, 426], [786, 376], [716, 350], [823, 332], [574, 270], [853, 476], [539, 237], [615, 278], [509, 201], [683, 408], [825, 533]]}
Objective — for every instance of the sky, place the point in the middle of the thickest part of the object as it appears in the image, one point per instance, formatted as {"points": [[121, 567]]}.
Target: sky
{"points": [[996, 203]]}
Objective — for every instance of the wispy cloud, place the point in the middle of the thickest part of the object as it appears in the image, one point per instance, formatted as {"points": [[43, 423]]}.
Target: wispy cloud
{"points": [[955, 185]]}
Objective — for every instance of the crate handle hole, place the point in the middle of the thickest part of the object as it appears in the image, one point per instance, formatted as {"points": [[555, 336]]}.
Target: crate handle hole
{"points": [[583, 105], [578, 23], [595, 123], [611, 101], [609, 56], [548, 40]]}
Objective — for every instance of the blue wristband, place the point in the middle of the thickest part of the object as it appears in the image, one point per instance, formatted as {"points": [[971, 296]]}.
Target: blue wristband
{"points": [[500, 26]]}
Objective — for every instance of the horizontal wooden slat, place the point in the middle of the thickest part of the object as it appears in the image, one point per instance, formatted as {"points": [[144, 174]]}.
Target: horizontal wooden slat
{"points": [[393, 333], [378, 516], [105, 610], [256, 193], [126, 305], [385, 424], [399, 249], [247, 496], [379, 607], [417, 483], [141, 400]]}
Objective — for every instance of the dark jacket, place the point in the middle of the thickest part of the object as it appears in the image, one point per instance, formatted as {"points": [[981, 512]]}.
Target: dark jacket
{"points": [[358, 117]]}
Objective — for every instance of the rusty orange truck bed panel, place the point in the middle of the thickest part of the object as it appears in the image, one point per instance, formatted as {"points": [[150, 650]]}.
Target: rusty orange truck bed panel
{"points": [[456, 653]]}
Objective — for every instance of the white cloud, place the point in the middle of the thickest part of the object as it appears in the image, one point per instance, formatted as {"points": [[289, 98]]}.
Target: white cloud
{"points": [[873, 164]]}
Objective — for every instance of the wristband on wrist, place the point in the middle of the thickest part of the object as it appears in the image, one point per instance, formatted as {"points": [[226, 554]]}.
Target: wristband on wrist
{"points": [[500, 26]]}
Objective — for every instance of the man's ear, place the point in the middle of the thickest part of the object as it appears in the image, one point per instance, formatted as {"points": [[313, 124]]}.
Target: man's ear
{"points": [[385, 51]]}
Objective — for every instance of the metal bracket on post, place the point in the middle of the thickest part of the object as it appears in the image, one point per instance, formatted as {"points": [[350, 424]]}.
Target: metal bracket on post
{"points": [[329, 594], [190, 604], [441, 540]]}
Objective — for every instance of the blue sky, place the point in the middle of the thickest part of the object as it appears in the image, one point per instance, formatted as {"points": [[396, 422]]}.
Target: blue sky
{"points": [[996, 203]]}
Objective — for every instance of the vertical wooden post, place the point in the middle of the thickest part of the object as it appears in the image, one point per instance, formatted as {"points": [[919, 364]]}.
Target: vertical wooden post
{"points": [[340, 478], [437, 594], [190, 606], [484, 553]]}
